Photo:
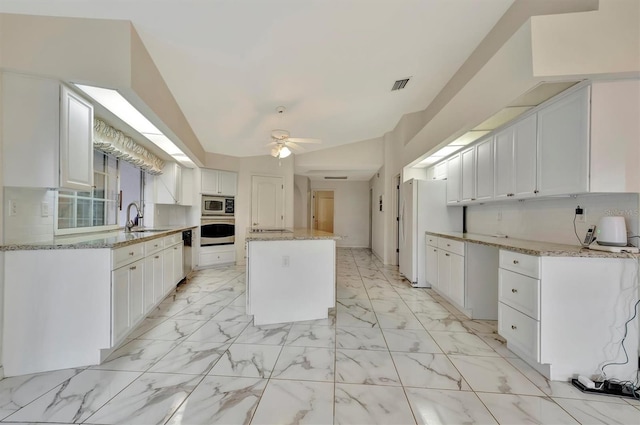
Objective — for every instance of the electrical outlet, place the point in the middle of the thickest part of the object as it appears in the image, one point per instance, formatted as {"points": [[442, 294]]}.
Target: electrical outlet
{"points": [[13, 208], [581, 218], [44, 209], [285, 261]]}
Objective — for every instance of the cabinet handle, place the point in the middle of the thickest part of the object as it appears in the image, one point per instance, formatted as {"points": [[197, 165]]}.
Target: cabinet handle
{"points": [[132, 268], [473, 199], [514, 290], [435, 250], [155, 246], [131, 253], [536, 191], [448, 245], [516, 261], [156, 257], [175, 247], [446, 254], [514, 327]]}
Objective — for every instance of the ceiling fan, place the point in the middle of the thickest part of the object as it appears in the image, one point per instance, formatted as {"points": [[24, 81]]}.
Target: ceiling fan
{"points": [[282, 143]]}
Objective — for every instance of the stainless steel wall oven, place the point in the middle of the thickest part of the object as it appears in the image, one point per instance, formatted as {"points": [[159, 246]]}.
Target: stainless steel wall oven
{"points": [[217, 231]]}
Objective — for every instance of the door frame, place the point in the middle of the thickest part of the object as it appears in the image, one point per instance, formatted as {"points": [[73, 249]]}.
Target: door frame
{"points": [[313, 207], [396, 226]]}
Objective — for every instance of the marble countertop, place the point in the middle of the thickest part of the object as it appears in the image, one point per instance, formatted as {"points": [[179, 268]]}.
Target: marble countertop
{"points": [[541, 249], [109, 239], [288, 234]]}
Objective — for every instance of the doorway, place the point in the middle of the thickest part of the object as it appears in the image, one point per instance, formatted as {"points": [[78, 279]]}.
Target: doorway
{"points": [[323, 210], [267, 202]]}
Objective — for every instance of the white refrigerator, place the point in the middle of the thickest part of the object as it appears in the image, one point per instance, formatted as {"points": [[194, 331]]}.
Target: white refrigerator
{"points": [[423, 207]]}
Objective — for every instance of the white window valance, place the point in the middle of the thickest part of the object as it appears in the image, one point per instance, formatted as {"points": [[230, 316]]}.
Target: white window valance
{"points": [[116, 143]]}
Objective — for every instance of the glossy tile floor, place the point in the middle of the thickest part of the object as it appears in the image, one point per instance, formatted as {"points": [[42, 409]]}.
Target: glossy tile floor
{"points": [[388, 354]]}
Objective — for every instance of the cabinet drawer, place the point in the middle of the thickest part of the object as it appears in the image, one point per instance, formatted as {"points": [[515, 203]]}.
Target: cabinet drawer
{"points": [[519, 330], [520, 292], [213, 258], [172, 240], [450, 245], [432, 240], [126, 255], [520, 263], [153, 246]]}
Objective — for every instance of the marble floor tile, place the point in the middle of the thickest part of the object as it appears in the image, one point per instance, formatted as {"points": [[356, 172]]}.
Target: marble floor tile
{"points": [[214, 331], [172, 330], [348, 293], [265, 334], [77, 398], [481, 326], [440, 322], [444, 407], [494, 374], [233, 313], [425, 370], [520, 409], [220, 400], [432, 308], [150, 399], [498, 343], [311, 336], [18, 391], [191, 358], [168, 308], [370, 404], [305, 364], [366, 367], [146, 325], [137, 355], [382, 294], [599, 412], [390, 306], [410, 340], [329, 321], [360, 338], [199, 312], [398, 320], [462, 343], [295, 402], [355, 317], [248, 360]]}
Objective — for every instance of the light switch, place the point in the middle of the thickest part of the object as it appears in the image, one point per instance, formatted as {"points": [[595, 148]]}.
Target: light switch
{"points": [[13, 207], [44, 209]]}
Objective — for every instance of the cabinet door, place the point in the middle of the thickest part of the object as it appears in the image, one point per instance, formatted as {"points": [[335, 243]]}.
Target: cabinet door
{"points": [[147, 290], [168, 272], [525, 160], [158, 276], [504, 176], [484, 169], [227, 183], [456, 279], [136, 291], [440, 171], [186, 191], [30, 131], [563, 145], [120, 322], [444, 271], [453, 179], [178, 269], [76, 141], [167, 185], [210, 182], [432, 266], [468, 175]]}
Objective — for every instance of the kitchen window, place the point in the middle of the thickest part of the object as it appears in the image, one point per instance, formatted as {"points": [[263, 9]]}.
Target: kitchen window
{"points": [[95, 210]]}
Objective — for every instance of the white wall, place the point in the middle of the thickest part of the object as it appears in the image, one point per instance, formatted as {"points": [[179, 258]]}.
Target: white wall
{"points": [[28, 225], [551, 219], [301, 201], [350, 210]]}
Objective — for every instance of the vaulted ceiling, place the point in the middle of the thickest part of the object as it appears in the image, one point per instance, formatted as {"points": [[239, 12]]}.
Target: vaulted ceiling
{"points": [[331, 63]]}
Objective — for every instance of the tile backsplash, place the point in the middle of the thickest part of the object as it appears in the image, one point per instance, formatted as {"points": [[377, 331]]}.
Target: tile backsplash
{"points": [[28, 224], [551, 219]]}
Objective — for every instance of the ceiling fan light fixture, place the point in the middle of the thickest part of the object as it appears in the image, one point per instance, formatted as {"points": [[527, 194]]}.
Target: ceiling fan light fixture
{"points": [[285, 152]]}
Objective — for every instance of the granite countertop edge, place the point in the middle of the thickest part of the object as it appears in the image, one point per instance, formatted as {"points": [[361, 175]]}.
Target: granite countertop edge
{"points": [[99, 240], [291, 235], [529, 247]]}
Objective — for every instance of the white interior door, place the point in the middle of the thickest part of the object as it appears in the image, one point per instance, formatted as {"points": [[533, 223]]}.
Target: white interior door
{"points": [[267, 202], [323, 213]]}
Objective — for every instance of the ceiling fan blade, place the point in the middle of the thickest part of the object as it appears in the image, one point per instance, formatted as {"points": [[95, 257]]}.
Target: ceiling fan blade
{"points": [[303, 140], [274, 143], [294, 146]]}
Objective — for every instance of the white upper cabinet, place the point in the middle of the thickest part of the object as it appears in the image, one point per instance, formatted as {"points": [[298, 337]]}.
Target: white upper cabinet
{"points": [[515, 160], [484, 169], [218, 182], [47, 134], [186, 192], [453, 179], [440, 171], [76, 141], [468, 174], [563, 145], [168, 185]]}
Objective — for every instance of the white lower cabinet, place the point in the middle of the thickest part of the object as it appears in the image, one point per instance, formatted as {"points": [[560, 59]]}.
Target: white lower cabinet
{"points": [[216, 255], [431, 272], [127, 299], [153, 280]]}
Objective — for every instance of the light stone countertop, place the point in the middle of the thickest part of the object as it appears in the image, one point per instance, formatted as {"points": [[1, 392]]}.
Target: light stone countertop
{"points": [[109, 239], [289, 235], [540, 249]]}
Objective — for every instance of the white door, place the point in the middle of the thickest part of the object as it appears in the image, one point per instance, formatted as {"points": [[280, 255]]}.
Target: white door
{"points": [[76, 141], [267, 202], [323, 213], [504, 166], [406, 240]]}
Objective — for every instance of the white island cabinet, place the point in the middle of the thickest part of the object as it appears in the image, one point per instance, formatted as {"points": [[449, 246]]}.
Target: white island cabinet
{"points": [[291, 276]]}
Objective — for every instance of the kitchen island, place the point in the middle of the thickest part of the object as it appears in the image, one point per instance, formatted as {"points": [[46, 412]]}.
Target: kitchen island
{"points": [[291, 274]]}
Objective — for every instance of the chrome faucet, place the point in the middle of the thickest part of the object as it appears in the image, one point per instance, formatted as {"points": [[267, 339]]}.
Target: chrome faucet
{"points": [[129, 224]]}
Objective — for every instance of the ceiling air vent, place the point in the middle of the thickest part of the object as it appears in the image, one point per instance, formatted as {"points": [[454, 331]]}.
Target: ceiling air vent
{"points": [[335, 178], [399, 84]]}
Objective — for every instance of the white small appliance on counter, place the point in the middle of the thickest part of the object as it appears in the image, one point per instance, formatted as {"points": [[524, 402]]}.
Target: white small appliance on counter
{"points": [[611, 236]]}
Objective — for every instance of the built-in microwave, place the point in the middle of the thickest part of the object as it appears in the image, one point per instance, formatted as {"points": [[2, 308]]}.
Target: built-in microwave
{"points": [[217, 205]]}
